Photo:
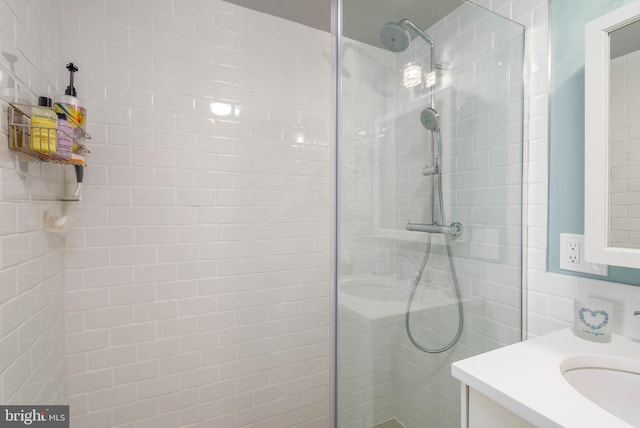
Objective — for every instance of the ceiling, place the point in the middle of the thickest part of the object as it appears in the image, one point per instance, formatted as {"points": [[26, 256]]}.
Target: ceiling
{"points": [[625, 40], [362, 19]]}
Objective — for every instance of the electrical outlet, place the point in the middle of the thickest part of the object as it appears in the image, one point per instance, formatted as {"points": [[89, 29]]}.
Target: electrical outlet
{"points": [[574, 253], [571, 256]]}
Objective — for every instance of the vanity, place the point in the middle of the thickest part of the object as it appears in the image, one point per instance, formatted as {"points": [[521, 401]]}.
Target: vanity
{"points": [[545, 381], [559, 379]]}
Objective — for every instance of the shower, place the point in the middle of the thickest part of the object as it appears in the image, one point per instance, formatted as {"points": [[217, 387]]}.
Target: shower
{"points": [[430, 119], [430, 113], [396, 39]]}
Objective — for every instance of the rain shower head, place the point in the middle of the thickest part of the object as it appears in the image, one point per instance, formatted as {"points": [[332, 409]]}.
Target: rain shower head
{"points": [[394, 37]]}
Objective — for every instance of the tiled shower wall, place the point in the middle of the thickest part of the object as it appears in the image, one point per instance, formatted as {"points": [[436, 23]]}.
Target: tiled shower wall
{"points": [[198, 283], [32, 333], [625, 153]]}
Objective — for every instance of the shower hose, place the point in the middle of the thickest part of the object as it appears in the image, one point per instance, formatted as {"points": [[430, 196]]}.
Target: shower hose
{"points": [[456, 286]]}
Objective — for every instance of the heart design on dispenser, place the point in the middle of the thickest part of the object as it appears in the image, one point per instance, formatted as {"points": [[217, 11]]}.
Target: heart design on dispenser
{"points": [[592, 318]]}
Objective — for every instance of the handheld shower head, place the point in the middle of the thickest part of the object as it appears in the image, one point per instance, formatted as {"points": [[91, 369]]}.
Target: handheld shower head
{"points": [[394, 37], [430, 119]]}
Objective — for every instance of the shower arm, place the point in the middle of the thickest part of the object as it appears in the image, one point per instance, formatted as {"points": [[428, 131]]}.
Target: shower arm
{"points": [[427, 39]]}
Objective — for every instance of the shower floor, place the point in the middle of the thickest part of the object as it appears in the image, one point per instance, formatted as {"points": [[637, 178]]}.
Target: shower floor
{"points": [[390, 424]]}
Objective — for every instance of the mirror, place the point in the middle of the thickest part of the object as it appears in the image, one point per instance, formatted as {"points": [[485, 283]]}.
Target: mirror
{"points": [[612, 138]]}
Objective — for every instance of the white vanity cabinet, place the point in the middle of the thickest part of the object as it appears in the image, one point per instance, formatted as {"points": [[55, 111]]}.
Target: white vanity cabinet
{"points": [[480, 411], [522, 385]]}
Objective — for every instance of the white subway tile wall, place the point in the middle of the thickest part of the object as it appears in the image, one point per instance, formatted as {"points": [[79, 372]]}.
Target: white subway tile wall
{"points": [[32, 322], [624, 152], [198, 286]]}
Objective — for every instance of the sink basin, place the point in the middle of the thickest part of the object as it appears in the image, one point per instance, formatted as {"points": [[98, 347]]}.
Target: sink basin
{"points": [[609, 382]]}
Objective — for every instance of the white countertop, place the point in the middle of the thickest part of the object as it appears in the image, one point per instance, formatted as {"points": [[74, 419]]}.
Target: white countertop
{"points": [[526, 379]]}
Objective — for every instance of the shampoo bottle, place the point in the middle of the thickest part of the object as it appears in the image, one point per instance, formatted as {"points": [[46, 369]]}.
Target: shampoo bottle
{"points": [[70, 105], [43, 125]]}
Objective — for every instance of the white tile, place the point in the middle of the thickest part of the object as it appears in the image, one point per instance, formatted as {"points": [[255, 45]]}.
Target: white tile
{"points": [[167, 420], [158, 349], [199, 341], [177, 290], [108, 195], [134, 411], [152, 80], [153, 196], [147, 118], [129, 96], [198, 413], [170, 102], [111, 236], [127, 136], [80, 300], [132, 294], [200, 305], [112, 357], [176, 216], [90, 381], [111, 397], [82, 342], [174, 26], [135, 333], [175, 178], [156, 235], [178, 400], [130, 215], [14, 250], [156, 311], [199, 233], [197, 270], [16, 374], [199, 377], [108, 317], [178, 364], [126, 176], [8, 219], [101, 277], [111, 155]]}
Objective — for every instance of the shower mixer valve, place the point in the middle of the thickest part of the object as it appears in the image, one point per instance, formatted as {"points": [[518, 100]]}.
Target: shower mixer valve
{"points": [[454, 230]]}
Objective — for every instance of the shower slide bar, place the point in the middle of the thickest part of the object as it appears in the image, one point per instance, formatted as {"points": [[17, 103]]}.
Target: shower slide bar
{"points": [[430, 170], [454, 229]]}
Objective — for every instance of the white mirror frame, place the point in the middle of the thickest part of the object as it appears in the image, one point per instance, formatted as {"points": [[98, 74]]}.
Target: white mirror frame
{"points": [[596, 210]]}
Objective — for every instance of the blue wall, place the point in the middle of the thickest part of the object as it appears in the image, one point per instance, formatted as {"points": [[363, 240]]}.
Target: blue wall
{"points": [[566, 127]]}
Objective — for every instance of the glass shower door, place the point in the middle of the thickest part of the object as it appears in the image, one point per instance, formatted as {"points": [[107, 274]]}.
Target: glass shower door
{"points": [[429, 205]]}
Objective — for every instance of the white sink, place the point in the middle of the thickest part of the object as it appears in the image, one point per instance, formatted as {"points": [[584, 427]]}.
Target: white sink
{"points": [[611, 383], [560, 380]]}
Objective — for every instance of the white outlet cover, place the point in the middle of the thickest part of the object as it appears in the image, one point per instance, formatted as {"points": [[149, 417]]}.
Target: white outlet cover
{"points": [[584, 267]]}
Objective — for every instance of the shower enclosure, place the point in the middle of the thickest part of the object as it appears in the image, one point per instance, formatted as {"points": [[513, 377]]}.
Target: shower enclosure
{"points": [[429, 257]]}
